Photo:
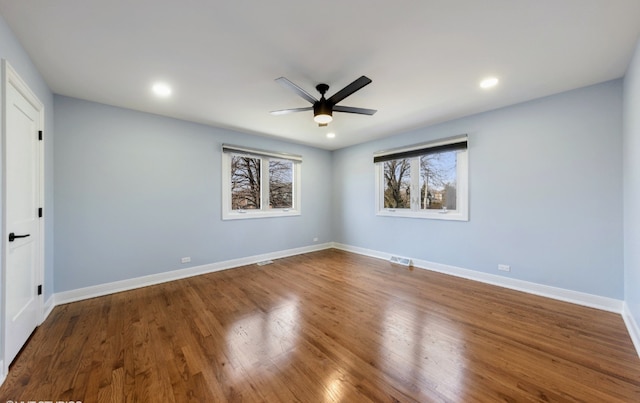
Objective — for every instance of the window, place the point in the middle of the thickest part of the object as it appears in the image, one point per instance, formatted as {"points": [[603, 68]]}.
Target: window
{"points": [[424, 181], [257, 183]]}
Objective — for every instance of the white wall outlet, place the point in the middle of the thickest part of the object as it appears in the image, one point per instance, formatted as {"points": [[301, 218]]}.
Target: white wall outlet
{"points": [[185, 259], [504, 267], [315, 239]]}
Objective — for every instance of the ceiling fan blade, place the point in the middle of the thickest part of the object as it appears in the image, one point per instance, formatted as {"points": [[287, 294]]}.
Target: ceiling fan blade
{"points": [[351, 109], [286, 111], [304, 94], [349, 89]]}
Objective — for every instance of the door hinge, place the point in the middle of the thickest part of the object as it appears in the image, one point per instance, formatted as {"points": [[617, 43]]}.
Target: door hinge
{"points": [[40, 289], [40, 135], [40, 212]]}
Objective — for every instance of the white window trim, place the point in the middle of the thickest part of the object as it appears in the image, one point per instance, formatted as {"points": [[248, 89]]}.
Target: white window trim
{"points": [[229, 214], [462, 190]]}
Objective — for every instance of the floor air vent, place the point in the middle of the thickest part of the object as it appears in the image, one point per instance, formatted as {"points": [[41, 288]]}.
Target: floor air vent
{"points": [[400, 260]]}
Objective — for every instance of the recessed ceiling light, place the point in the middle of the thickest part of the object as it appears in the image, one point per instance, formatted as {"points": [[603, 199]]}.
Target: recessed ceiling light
{"points": [[331, 135], [488, 82], [161, 89]]}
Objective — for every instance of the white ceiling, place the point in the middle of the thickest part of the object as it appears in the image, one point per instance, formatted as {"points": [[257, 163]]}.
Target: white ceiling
{"points": [[221, 57]]}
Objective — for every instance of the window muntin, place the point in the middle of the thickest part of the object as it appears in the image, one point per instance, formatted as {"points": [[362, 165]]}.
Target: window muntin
{"points": [[424, 181], [263, 184]]}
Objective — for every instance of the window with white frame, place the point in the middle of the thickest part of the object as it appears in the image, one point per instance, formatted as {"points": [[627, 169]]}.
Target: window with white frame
{"points": [[427, 180], [258, 183]]}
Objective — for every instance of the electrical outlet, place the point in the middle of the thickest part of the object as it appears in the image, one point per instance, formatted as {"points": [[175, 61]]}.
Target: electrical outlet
{"points": [[185, 259], [504, 267], [315, 239]]}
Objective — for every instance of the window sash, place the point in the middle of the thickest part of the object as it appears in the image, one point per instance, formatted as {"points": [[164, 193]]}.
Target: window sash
{"points": [[414, 188], [281, 190], [264, 198]]}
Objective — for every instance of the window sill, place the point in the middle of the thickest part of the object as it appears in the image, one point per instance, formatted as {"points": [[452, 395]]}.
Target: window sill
{"points": [[249, 214], [430, 215]]}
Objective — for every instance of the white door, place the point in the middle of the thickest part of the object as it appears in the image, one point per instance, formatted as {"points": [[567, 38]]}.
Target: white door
{"points": [[22, 228]]}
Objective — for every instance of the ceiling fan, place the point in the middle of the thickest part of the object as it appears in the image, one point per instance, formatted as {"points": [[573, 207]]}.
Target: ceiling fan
{"points": [[323, 108]]}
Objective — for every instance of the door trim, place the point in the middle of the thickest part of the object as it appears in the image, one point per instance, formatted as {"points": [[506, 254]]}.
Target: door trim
{"points": [[11, 77]]}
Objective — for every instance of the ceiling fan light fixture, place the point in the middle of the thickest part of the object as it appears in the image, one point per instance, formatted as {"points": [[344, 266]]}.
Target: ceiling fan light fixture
{"points": [[322, 113], [323, 119]]}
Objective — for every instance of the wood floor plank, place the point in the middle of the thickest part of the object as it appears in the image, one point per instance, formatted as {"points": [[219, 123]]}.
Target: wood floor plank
{"points": [[327, 326]]}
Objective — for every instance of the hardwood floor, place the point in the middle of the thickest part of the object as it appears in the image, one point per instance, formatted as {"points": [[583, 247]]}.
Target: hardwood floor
{"points": [[327, 326]]}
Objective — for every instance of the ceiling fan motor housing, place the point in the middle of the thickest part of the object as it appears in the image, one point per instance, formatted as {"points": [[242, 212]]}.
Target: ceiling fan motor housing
{"points": [[322, 107]]}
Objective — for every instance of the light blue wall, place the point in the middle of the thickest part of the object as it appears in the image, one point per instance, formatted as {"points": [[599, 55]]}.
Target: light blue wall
{"points": [[545, 194], [135, 192], [11, 51], [632, 186]]}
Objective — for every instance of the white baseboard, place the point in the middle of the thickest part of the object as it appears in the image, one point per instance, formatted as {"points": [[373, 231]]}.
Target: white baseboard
{"points": [[66, 297], [48, 307], [632, 327], [575, 297]]}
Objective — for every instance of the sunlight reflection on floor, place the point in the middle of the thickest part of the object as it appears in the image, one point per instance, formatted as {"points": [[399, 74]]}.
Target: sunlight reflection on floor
{"points": [[421, 348], [262, 336]]}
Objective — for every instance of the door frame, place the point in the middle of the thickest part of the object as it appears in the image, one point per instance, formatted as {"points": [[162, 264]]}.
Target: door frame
{"points": [[11, 77]]}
